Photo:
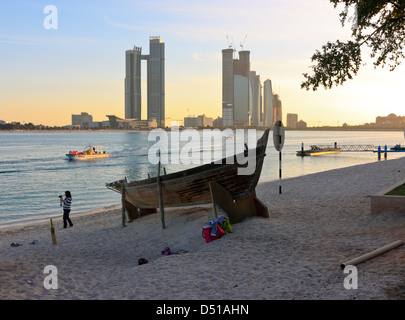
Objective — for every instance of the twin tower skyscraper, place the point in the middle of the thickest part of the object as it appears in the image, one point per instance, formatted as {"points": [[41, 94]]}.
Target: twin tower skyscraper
{"points": [[155, 81], [242, 101]]}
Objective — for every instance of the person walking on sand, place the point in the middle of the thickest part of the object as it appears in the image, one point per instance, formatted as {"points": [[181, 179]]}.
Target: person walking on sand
{"points": [[67, 205]]}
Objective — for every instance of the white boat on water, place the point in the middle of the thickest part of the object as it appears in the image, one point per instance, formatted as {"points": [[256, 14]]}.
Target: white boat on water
{"points": [[89, 153]]}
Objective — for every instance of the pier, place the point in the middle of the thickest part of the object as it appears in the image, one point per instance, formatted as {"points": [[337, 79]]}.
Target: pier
{"points": [[330, 149], [397, 148], [335, 148], [347, 147], [357, 148]]}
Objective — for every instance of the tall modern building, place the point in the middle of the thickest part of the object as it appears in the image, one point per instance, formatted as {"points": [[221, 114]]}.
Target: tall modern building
{"points": [[227, 87], [277, 108], [268, 104], [256, 99], [133, 83], [236, 88], [155, 81]]}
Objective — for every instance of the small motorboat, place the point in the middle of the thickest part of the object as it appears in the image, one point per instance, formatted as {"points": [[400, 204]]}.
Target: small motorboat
{"points": [[398, 148], [89, 153]]}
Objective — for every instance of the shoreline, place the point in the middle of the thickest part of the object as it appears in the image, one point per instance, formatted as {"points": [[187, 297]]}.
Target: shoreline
{"points": [[332, 129], [319, 221], [70, 131], [40, 221]]}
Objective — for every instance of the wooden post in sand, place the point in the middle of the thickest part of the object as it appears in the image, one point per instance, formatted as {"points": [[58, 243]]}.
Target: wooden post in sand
{"points": [[123, 205], [53, 233], [160, 193]]}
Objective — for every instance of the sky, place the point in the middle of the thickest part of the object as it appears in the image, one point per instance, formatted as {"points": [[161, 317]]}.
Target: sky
{"points": [[46, 75]]}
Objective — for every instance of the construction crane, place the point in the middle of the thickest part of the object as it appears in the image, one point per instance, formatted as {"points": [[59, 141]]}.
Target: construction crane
{"points": [[243, 42], [229, 43]]}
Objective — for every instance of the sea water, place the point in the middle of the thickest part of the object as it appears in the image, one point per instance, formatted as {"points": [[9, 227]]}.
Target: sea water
{"points": [[34, 169]]}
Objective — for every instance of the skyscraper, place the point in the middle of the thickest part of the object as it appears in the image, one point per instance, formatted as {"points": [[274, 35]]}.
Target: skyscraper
{"points": [[277, 108], [155, 81], [227, 87], [256, 97], [236, 88], [268, 104], [133, 83], [242, 89]]}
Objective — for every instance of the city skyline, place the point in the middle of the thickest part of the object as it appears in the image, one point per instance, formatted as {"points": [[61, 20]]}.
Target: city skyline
{"points": [[155, 65], [48, 75]]}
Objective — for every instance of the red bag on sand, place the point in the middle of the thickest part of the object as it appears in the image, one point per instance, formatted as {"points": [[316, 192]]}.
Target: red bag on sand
{"points": [[206, 231]]}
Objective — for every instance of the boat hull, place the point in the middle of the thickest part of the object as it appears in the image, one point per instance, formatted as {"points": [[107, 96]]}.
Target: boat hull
{"points": [[74, 157], [191, 187]]}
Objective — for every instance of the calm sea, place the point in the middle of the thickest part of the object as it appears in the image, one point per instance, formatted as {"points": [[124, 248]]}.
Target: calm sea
{"points": [[34, 170]]}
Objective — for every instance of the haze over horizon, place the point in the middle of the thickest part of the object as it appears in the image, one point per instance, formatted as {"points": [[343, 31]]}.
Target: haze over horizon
{"points": [[48, 75]]}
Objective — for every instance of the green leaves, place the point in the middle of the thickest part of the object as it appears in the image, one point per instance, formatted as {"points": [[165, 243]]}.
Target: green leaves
{"points": [[336, 62], [379, 24]]}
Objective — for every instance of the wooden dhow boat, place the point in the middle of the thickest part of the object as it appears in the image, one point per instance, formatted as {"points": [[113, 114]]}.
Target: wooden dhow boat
{"points": [[217, 183]]}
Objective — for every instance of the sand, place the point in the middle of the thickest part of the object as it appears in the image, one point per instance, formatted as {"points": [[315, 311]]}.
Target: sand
{"points": [[318, 222]]}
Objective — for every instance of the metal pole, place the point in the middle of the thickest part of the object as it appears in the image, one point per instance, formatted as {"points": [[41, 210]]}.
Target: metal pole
{"points": [[279, 181]]}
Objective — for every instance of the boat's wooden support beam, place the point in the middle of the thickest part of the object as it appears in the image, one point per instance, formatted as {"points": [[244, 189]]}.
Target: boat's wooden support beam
{"points": [[160, 193], [132, 211], [236, 210], [135, 213], [123, 205]]}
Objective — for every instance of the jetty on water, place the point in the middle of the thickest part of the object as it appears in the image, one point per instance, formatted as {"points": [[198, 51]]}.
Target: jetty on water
{"points": [[316, 150]]}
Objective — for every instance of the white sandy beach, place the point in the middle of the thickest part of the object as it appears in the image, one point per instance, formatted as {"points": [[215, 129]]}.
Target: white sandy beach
{"points": [[318, 222]]}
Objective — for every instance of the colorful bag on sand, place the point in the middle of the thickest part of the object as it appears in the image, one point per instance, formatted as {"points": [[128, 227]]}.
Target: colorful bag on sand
{"points": [[226, 225], [207, 233], [223, 221]]}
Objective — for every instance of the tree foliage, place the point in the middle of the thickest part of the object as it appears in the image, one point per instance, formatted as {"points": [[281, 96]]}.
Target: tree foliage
{"points": [[378, 24]]}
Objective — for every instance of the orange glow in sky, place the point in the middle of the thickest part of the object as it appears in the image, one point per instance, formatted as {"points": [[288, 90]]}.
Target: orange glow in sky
{"points": [[49, 74]]}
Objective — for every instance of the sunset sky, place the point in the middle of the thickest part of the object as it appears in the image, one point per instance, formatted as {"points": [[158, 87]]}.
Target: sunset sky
{"points": [[48, 75]]}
